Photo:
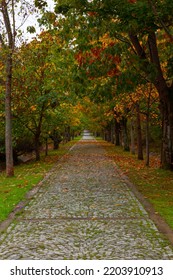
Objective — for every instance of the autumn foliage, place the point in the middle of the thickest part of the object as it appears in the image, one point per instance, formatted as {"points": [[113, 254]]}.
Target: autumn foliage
{"points": [[100, 56]]}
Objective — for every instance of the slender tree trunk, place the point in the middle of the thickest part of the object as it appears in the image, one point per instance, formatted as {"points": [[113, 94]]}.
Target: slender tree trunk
{"points": [[147, 141], [167, 135], [46, 150], [9, 48], [37, 146], [8, 119], [68, 133], [73, 134], [109, 132], [105, 135], [38, 133], [112, 132], [148, 128], [117, 133], [139, 133], [37, 149], [56, 137], [125, 137], [56, 145], [132, 132]]}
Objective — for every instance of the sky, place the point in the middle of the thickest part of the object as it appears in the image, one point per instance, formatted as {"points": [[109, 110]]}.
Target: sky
{"points": [[32, 21]]}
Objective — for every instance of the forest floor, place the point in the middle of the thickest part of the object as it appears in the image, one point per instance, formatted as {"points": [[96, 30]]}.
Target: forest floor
{"points": [[86, 208]]}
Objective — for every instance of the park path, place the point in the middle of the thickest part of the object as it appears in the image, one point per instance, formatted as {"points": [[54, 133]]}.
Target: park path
{"points": [[84, 210]]}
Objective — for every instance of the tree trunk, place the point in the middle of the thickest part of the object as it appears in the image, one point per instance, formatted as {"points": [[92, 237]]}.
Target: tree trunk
{"points": [[125, 137], [147, 141], [139, 134], [56, 144], [68, 133], [109, 133], [8, 119], [37, 147], [72, 134], [167, 135], [148, 128], [113, 131], [47, 148], [132, 132], [9, 48], [105, 134], [117, 133]]}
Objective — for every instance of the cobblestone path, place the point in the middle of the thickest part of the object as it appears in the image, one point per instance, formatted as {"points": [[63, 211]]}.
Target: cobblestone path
{"points": [[84, 211]]}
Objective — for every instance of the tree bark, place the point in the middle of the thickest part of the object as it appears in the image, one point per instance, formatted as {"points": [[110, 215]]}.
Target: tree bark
{"points": [[139, 133], [68, 133], [9, 48], [8, 119], [125, 137], [117, 133], [167, 135], [108, 133], [56, 137], [132, 130], [147, 162], [147, 141], [37, 146], [113, 131]]}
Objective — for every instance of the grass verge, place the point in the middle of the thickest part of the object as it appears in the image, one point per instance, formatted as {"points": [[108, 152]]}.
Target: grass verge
{"points": [[13, 190], [154, 183]]}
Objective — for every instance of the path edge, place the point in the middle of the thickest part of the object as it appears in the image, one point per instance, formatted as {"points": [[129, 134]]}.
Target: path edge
{"points": [[30, 194], [158, 220]]}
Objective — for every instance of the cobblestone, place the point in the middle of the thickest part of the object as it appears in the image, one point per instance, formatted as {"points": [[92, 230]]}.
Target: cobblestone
{"points": [[84, 210]]}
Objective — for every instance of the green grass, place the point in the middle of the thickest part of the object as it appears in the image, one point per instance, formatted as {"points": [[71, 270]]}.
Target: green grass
{"points": [[154, 183], [13, 190]]}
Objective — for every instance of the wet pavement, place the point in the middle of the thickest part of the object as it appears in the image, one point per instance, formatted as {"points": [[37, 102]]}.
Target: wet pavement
{"points": [[84, 210]]}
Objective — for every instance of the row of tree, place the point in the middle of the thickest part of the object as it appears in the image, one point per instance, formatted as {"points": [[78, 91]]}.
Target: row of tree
{"points": [[103, 64], [123, 47], [35, 102]]}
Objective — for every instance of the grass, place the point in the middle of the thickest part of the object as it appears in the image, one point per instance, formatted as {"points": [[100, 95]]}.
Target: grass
{"points": [[13, 190], [154, 183]]}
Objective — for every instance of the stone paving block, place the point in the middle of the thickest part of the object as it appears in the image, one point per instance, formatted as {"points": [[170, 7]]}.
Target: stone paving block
{"points": [[84, 210]]}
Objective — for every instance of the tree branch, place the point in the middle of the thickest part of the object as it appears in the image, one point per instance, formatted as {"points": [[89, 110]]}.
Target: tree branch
{"points": [[160, 81], [7, 24], [167, 31], [2, 41], [14, 22], [139, 49], [124, 40]]}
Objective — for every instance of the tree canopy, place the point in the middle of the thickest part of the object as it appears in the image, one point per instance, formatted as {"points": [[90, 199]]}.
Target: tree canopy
{"points": [[103, 65]]}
